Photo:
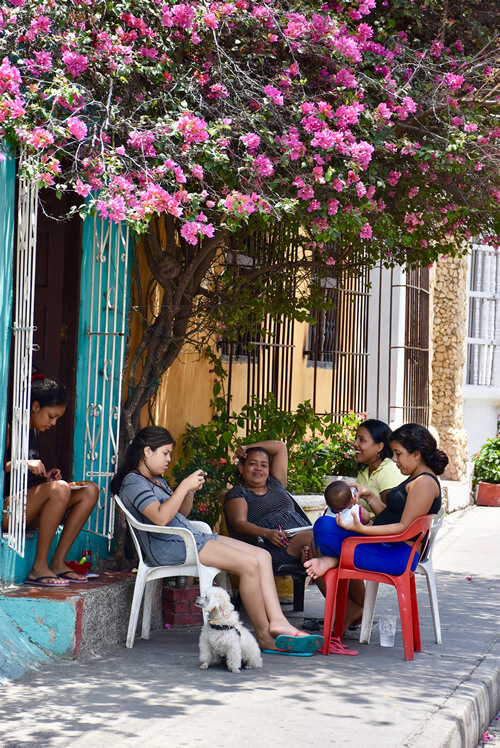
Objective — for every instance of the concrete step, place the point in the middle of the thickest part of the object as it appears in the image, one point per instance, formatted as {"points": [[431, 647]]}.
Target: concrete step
{"points": [[38, 624]]}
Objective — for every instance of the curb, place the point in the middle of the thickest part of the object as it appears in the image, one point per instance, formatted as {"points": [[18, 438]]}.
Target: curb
{"points": [[465, 715]]}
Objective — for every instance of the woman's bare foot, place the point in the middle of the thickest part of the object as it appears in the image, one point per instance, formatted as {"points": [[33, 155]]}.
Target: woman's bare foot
{"points": [[304, 554], [317, 567], [68, 573], [265, 641], [276, 629], [48, 575]]}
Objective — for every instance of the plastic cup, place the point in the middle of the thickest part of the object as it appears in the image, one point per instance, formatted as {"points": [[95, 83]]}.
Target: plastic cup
{"points": [[387, 630]]}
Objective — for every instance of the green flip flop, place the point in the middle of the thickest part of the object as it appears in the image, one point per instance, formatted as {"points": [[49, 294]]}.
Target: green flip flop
{"points": [[310, 643], [286, 652]]}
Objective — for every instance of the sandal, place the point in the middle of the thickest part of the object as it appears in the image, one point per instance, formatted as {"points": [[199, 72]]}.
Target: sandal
{"points": [[313, 624], [337, 648], [307, 643]]}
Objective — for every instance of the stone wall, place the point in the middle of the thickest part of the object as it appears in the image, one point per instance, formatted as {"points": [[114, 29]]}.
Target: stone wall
{"points": [[448, 332]]}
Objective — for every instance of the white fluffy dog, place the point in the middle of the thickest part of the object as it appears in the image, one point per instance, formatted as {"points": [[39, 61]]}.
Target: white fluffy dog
{"points": [[224, 637]]}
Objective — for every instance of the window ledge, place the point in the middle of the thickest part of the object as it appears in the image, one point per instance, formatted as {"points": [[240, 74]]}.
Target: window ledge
{"points": [[481, 392]]}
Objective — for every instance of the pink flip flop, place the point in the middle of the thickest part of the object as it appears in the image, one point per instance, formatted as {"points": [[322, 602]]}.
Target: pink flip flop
{"points": [[337, 648]]}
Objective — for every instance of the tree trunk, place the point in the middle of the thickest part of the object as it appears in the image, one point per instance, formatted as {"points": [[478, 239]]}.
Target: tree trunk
{"points": [[167, 300]]}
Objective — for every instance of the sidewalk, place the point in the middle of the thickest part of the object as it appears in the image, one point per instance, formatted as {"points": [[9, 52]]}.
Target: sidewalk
{"points": [[155, 695]]}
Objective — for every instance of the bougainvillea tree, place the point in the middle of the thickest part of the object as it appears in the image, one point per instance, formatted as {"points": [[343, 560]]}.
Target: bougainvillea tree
{"points": [[370, 128]]}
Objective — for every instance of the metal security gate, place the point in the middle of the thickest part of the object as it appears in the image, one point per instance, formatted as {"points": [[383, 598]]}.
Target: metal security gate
{"points": [[102, 338], [268, 348], [22, 330], [339, 341], [409, 364]]}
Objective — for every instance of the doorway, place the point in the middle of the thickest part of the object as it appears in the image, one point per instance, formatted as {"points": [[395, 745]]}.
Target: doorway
{"points": [[56, 312]]}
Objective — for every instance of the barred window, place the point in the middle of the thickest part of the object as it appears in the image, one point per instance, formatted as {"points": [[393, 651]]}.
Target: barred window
{"points": [[246, 345], [321, 344], [267, 348], [483, 340], [338, 341]]}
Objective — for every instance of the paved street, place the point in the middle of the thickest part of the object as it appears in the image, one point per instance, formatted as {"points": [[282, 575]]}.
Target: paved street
{"points": [[155, 695]]}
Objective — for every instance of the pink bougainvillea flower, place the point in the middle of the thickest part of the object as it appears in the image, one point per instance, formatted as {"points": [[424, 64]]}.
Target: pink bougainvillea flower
{"points": [[210, 20], [10, 77], [274, 94], [251, 140], [40, 138], [77, 128], [412, 221], [263, 165], [81, 188], [76, 64], [183, 15], [454, 82], [193, 128], [197, 171], [394, 177], [366, 231]]}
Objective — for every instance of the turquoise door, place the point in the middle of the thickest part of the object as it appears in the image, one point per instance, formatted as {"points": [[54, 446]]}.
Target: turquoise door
{"points": [[101, 349]]}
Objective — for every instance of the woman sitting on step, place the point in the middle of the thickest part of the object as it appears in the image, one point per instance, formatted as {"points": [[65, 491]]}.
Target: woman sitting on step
{"points": [[50, 500]]}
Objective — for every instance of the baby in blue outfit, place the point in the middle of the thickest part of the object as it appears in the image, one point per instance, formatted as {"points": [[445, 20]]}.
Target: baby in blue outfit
{"points": [[341, 497]]}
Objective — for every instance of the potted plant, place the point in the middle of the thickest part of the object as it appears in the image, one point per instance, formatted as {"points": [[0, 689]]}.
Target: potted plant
{"points": [[487, 473], [328, 452]]}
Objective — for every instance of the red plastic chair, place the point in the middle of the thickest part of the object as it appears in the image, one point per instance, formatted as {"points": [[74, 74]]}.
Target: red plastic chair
{"points": [[337, 583]]}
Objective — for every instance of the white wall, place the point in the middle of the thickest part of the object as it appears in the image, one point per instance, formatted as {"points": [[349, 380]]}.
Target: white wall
{"points": [[482, 399], [386, 337], [481, 411]]}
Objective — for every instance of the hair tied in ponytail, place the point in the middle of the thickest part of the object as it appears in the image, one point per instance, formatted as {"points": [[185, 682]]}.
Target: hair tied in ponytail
{"points": [[35, 377]]}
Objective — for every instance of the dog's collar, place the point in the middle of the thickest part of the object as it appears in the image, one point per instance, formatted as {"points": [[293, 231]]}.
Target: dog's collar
{"points": [[223, 627]]}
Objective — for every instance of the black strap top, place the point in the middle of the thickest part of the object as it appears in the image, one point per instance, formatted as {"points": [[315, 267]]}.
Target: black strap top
{"points": [[396, 502]]}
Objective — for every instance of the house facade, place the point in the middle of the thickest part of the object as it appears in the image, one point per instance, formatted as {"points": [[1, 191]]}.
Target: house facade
{"points": [[394, 345]]}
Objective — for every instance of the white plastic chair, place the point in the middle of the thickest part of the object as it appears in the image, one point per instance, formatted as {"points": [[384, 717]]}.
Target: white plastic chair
{"points": [[424, 567], [147, 576]]}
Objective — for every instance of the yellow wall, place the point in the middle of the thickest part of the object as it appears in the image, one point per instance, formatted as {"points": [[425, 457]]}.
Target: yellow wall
{"points": [[185, 391]]}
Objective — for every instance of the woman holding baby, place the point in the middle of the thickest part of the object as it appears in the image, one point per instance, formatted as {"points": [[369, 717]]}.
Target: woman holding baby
{"points": [[416, 455]]}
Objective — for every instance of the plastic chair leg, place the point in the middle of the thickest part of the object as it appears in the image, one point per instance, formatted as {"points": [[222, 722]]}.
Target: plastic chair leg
{"points": [[340, 607], [299, 587], [134, 611], [427, 569], [368, 611], [331, 580], [417, 644], [206, 578], [405, 614], [150, 592]]}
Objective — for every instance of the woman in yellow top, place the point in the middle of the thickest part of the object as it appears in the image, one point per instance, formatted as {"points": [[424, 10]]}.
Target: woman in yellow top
{"points": [[373, 453]]}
